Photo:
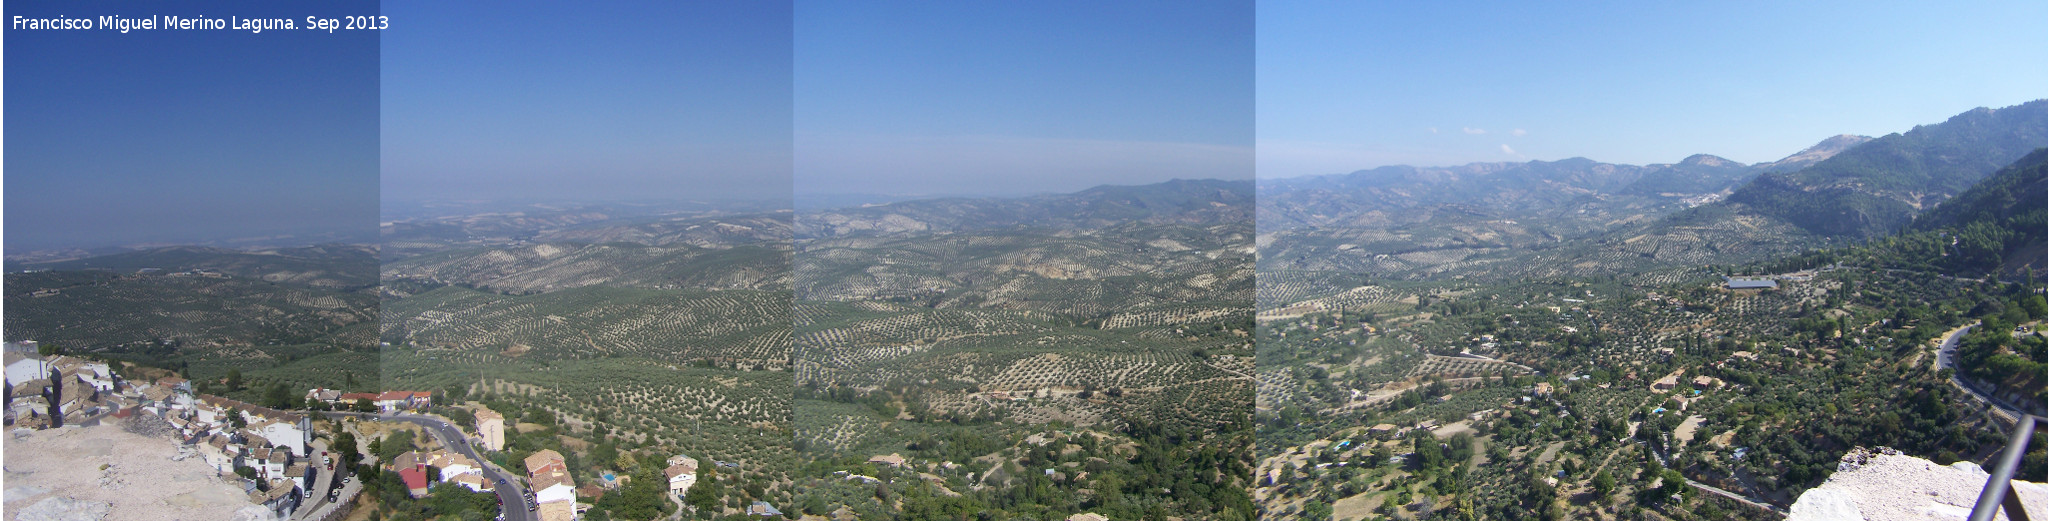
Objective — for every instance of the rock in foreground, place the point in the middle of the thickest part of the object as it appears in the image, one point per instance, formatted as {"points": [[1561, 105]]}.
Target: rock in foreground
{"points": [[1884, 485]]}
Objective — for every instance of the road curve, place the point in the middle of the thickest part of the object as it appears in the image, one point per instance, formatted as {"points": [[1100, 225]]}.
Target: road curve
{"points": [[1945, 356], [510, 492]]}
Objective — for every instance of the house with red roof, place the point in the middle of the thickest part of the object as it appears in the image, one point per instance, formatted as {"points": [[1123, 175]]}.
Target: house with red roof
{"points": [[415, 481]]}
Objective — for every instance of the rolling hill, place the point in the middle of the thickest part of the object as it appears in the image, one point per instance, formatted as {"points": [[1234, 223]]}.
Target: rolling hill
{"points": [[1178, 201], [158, 305], [541, 267], [335, 266]]}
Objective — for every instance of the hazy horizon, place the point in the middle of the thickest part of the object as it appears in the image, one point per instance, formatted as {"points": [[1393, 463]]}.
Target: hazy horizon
{"points": [[188, 137], [1016, 99], [1347, 87]]}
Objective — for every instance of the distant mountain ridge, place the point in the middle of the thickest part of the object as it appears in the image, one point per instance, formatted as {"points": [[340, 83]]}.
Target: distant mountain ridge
{"points": [[1814, 154], [327, 265], [1874, 188], [1381, 196], [1178, 201], [1579, 216]]}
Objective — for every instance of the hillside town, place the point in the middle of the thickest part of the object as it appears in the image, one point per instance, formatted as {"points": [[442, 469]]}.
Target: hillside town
{"points": [[269, 448], [273, 454]]}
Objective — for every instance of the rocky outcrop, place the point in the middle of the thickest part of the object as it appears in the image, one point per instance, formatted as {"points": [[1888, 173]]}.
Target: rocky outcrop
{"points": [[1884, 485]]}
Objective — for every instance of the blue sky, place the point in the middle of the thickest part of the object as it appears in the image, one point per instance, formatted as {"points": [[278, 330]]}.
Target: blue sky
{"points": [[188, 136], [1344, 86], [587, 101], [1007, 98]]}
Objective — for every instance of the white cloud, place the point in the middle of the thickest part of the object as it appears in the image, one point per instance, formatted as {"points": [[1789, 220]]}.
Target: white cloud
{"points": [[1432, 130], [1470, 130], [1519, 132], [1505, 150]]}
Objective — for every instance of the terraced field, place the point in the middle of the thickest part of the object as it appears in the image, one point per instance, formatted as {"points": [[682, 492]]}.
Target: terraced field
{"points": [[1078, 274], [632, 333], [536, 268], [676, 326], [414, 228], [1635, 248], [966, 360], [987, 346]]}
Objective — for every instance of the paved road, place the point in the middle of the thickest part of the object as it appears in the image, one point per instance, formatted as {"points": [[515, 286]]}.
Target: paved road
{"points": [[509, 491], [317, 496], [320, 509], [1945, 356]]}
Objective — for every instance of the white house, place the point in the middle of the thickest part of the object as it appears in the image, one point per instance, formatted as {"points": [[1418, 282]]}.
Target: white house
{"points": [[490, 428], [23, 370], [681, 472], [283, 434], [553, 490], [452, 465], [555, 494]]}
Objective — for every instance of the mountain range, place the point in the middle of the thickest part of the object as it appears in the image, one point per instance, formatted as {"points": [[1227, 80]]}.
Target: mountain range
{"points": [[1562, 217]]}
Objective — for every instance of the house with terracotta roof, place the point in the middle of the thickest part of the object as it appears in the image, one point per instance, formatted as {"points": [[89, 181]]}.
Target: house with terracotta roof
{"points": [[545, 460], [1668, 382], [452, 464], [415, 481], [555, 494], [393, 401], [681, 474], [893, 460], [553, 490]]}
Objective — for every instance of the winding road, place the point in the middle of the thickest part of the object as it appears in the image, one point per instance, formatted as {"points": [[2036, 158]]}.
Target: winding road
{"points": [[509, 491], [1946, 357]]}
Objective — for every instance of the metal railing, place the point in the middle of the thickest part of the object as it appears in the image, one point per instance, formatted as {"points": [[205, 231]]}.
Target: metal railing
{"points": [[1998, 489]]}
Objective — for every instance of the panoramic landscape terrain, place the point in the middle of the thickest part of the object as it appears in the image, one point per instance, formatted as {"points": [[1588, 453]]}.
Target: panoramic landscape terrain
{"points": [[1040, 357], [1695, 340], [300, 317], [618, 336]]}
